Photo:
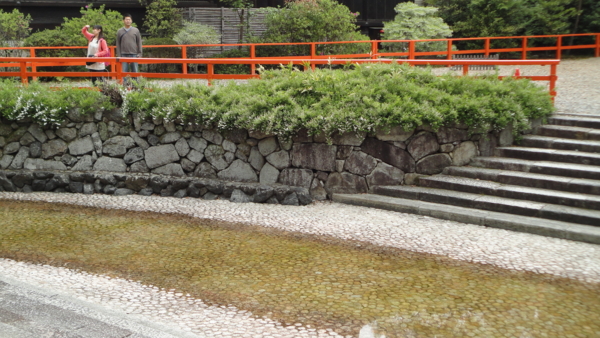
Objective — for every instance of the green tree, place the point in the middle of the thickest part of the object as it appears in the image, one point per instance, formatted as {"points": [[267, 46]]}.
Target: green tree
{"points": [[550, 17], [69, 32], [414, 22], [195, 33], [14, 27], [163, 19], [312, 21]]}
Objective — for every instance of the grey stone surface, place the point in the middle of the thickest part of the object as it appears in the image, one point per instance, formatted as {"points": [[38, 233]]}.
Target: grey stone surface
{"points": [[68, 160], [105, 163], [37, 132], [171, 169], [446, 148], [395, 134], [170, 137], [16, 134], [197, 143], [236, 135], [85, 163], [296, 177], [317, 190], [82, 146], [279, 159], [204, 169], [187, 165], [349, 138], [195, 156], [212, 136], [291, 199], [67, 134], [385, 174], [40, 164], [463, 153], [255, 159], [53, 148], [160, 155], [229, 146], [139, 140], [117, 146], [182, 147], [345, 183], [12, 148], [267, 146], [343, 152], [134, 155], [389, 154], [238, 196], [314, 156], [97, 141], [88, 129], [215, 155], [27, 139], [258, 135], [238, 171], [35, 150], [360, 163], [422, 145], [285, 143], [139, 167], [433, 164], [268, 174], [449, 135]]}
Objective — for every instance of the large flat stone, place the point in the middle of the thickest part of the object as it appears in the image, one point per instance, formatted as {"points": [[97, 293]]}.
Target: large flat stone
{"points": [[314, 156], [81, 146], [159, 156], [40, 164], [296, 177], [389, 154], [238, 171], [110, 164]]}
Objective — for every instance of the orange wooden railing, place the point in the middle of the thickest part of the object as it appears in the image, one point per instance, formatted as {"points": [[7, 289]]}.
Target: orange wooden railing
{"points": [[26, 70]]}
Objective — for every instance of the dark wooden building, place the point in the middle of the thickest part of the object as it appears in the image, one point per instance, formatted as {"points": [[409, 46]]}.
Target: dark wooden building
{"points": [[49, 14]]}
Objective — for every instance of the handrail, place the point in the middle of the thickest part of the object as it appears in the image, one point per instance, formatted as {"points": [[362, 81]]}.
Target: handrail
{"points": [[24, 63]]}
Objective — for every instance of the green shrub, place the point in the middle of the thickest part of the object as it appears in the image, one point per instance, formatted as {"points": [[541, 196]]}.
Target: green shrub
{"points": [[46, 105], [232, 68], [161, 52], [14, 27], [414, 22], [365, 98], [311, 21], [163, 19]]}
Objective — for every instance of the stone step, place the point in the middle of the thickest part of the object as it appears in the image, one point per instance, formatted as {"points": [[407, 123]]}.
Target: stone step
{"points": [[539, 167], [477, 186], [596, 116], [555, 155], [527, 179], [578, 133], [537, 141], [575, 121], [549, 228], [493, 203]]}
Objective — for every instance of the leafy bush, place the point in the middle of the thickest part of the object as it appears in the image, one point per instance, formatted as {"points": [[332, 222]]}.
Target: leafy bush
{"points": [[311, 21], [14, 27], [161, 52], [361, 99], [414, 22], [233, 68], [46, 105], [163, 19], [195, 33]]}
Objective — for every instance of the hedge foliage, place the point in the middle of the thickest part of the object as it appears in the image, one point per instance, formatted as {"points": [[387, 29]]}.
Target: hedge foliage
{"points": [[359, 98]]}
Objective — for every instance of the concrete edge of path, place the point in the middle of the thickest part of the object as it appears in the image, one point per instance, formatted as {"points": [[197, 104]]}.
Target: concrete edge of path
{"points": [[97, 312]]}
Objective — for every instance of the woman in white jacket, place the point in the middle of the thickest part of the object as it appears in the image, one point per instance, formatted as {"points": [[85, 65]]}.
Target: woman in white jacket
{"points": [[97, 47]]}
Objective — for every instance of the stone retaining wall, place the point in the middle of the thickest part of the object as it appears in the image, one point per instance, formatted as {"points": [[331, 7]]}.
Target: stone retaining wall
{"points": [[109, 153]]}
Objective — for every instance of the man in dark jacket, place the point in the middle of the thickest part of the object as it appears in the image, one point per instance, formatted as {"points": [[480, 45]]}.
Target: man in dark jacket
{"points": [[129, 44]]}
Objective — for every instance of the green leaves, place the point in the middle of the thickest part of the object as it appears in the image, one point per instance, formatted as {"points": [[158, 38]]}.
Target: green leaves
{"points": [[14, 27]]}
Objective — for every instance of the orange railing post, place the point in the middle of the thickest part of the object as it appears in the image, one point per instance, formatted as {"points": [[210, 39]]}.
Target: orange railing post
{"points": [[524, 46], [210, 70], [313, 54], [597, 53], [411, 49], [184, 56], [374, 49], [24, 72], [559, 47], [33, 65], [252, 56], [487, 47], [449, 49], [118, 71]]}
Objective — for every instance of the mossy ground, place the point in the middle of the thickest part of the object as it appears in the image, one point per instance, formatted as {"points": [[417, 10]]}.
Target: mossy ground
{"points": [[323, 282]]}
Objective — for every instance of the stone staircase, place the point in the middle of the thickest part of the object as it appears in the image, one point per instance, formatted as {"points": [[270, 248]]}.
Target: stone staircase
{"points": [[549, 185]]}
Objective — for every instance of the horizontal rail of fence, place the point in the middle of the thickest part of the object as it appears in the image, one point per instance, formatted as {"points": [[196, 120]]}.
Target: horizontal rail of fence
{"points": [[26, 71], [410, 47]]}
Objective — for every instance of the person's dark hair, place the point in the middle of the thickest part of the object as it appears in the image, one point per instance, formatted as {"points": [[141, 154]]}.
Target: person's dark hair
{"points": [[127, 16], [101, 34]]}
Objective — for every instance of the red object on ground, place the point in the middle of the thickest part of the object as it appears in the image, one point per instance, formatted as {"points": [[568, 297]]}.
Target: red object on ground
{"points": [[517, 72]]}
